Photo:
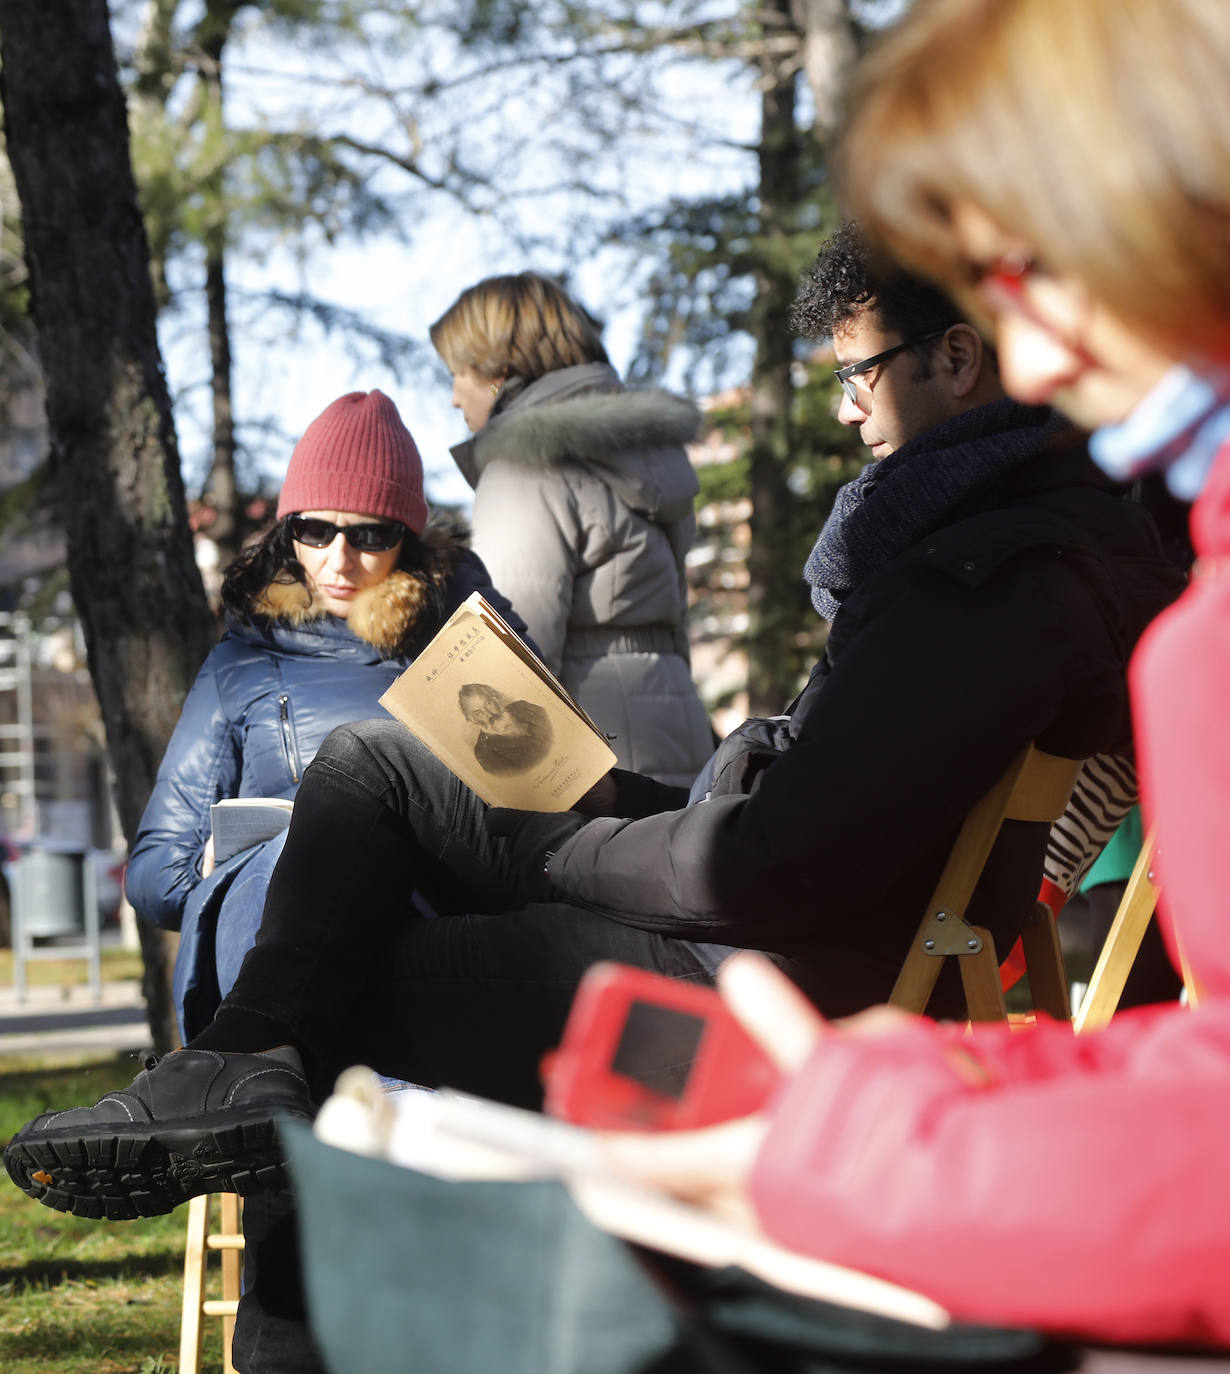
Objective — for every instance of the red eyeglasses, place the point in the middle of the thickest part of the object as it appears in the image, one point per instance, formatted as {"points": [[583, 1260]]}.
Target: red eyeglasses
{"points": [[1019, 285], [1003, 285]]}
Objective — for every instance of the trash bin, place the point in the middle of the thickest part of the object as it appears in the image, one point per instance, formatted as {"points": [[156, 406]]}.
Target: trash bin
{"points": [[49, 895]]}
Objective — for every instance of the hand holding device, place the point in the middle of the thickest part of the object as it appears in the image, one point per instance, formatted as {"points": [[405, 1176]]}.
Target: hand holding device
{"points": [[644, 1052]]}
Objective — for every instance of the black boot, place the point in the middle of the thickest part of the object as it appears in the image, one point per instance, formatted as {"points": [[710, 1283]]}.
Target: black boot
{"points": [[197, 1121]]}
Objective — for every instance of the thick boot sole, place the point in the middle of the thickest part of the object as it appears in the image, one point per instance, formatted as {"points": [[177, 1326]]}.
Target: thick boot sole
{"points": [[121, 1175]]}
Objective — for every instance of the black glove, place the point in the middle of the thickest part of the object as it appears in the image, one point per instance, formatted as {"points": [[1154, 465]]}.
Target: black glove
{"points": [[533, 837]]}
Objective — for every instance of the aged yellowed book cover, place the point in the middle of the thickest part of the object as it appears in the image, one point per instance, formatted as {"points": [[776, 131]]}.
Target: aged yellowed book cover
{"points": [[488, 707]]}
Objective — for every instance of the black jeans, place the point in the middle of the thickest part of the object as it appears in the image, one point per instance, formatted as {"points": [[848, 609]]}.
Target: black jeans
{"points": [[470, 998]]}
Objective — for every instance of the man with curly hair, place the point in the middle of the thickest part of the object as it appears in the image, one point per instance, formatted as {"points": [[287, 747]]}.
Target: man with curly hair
{"points": [[907, 360], [909, 366]]}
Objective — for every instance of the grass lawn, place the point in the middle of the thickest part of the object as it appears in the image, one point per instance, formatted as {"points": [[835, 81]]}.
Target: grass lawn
{"points": [[77, 1296]]}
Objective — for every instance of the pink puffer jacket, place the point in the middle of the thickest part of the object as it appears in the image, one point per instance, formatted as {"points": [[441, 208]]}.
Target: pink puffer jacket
{"points": [[1084, 1188]]}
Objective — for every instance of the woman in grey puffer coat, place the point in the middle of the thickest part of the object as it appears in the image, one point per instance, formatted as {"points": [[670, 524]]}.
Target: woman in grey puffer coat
{"points": [[583, 511]]}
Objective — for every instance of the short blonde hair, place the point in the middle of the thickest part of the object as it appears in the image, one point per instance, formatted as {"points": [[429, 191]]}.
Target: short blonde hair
{"points": [[1096, 130], [520, 326]]}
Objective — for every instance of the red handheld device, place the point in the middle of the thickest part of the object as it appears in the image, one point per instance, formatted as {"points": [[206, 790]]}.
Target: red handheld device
{"points": [[644, 1052]]}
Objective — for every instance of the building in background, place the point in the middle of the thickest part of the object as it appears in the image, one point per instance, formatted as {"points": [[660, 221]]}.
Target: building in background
{"points": [[825, 455], [717, 577], [55, 782]]}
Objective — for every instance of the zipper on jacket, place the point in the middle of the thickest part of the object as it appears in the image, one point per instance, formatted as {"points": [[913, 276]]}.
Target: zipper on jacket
{"points": [[288, 737]]}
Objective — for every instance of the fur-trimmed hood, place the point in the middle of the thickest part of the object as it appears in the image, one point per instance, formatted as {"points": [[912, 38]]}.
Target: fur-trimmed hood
{"points": [[395, 615], [633, 440], [383, 616]]}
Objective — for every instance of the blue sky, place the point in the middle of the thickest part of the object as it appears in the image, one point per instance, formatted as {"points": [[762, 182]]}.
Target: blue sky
{"points": [[404, 281]]}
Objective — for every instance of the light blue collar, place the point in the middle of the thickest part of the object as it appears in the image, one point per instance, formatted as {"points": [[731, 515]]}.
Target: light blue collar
{"points": [[1178, 428]]}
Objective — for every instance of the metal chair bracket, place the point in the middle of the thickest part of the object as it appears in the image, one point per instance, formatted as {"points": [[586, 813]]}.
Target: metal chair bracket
{"points": [[945, 933]]}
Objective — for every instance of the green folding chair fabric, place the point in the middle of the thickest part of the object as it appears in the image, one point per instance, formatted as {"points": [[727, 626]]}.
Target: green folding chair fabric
{"points": [[407, 1274]]}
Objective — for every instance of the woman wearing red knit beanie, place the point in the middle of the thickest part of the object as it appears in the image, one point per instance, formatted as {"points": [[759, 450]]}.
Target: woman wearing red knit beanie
{"points": [[321, 616]]}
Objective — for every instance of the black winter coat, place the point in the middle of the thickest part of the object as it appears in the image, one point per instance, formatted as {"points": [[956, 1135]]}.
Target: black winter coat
{"points": [[1013, 622]]}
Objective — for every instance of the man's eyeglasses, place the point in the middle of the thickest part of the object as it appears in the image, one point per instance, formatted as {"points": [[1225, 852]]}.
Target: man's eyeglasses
{"points": [[846, 375], [371, 538]]}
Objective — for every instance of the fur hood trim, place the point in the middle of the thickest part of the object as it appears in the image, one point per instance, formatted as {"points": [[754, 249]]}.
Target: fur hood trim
{"points": [[595, 427], [383, 616]]}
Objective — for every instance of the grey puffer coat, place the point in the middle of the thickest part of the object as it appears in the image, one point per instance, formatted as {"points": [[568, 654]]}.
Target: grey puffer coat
{"points": [[583, 498]]}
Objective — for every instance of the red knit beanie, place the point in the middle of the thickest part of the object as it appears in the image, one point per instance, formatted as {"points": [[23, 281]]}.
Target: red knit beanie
{"points": [[357, 456]]}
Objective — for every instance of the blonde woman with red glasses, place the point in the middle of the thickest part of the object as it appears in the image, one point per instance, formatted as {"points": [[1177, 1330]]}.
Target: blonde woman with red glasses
{"points": [[1065, 168]]}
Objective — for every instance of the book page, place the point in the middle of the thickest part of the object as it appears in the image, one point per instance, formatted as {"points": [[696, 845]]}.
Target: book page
{"points": [[238, 823], [457, 1136], [497, 717]]}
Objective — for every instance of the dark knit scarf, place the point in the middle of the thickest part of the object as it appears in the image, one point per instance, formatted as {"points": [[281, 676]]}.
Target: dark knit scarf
{"points": [[895, 502]]}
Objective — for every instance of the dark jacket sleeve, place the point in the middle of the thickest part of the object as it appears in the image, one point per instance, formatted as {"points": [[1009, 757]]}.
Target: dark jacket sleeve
{"points": [[938, 682], [637, 795], [202, 764]]}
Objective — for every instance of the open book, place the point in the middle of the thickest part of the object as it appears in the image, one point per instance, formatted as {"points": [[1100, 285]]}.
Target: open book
{"points": [[487, 706], [240, 822], [455, 1136]]}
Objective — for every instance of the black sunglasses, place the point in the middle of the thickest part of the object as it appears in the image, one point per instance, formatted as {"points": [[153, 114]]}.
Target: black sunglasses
{"points": [[373, 538], [846, 375]]}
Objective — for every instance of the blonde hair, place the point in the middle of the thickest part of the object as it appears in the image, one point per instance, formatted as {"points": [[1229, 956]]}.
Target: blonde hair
{"points": [[1098, 131], [520, 326]]}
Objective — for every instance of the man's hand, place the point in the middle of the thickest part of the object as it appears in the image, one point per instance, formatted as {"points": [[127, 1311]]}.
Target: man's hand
{"points": [[207, 859], [533, 836], [600, 799]]}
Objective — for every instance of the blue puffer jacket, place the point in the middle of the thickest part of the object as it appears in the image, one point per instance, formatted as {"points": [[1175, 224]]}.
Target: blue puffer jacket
{"points": [[260, 707]]}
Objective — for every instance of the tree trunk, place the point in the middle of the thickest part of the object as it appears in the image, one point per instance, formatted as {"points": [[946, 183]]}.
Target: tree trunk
{"points": [[830, 50], [774, 600], [227, 528], [114, 459]]}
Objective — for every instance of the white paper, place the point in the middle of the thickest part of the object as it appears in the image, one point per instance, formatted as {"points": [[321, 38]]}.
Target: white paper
{"points": [[238, 823]]}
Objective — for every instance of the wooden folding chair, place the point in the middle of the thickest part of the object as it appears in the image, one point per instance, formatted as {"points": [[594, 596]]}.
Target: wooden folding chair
{"points": [[200, 1241], [1122, 944], [1035, 787]]}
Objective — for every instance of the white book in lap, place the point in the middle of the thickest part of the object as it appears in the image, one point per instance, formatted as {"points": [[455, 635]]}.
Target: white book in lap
{"points": [[456, 1136], [490, 709], [238, 823]]}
